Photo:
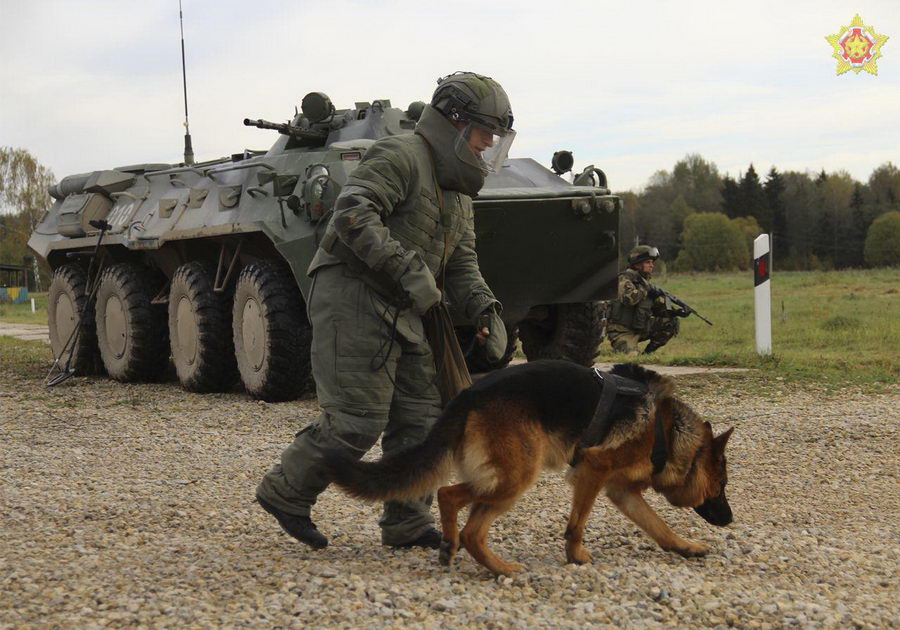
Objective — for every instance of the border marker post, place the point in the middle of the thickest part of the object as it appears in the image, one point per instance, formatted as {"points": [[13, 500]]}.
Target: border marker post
{"points": [[762, 266]]}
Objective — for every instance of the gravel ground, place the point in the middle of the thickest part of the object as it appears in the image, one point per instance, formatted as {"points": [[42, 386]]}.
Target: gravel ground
{"points": [[132, 506]]}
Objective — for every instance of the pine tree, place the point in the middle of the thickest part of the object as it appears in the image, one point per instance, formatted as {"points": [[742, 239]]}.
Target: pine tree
{"points": [[858, 226], [731, 198], [753, 199], [774, 191]]}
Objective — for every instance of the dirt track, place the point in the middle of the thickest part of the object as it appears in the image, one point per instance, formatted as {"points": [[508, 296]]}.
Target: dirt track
{"points": [[131, 506]]}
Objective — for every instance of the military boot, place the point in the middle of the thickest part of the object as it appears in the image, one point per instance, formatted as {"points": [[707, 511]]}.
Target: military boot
{"points": [[431, 539], [652, 347], [300, 527]]}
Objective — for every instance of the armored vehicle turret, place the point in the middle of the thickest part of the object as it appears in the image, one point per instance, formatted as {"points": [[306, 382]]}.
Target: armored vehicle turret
{"points": [[205, 264]]}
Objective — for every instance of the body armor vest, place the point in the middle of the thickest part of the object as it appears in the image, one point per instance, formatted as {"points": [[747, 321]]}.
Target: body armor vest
{"points": [[639, 317], [422, 222]]}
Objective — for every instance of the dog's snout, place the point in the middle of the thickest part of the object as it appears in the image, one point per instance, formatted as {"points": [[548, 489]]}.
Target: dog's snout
{"points": [[716, 511]]}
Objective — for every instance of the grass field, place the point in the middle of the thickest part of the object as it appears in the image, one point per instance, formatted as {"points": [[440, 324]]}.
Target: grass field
{"points": [[21, 313], [835, 326]]}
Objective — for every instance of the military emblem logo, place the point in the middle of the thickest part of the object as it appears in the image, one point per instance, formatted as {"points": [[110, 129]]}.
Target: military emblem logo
{"points": [[857, 47]]}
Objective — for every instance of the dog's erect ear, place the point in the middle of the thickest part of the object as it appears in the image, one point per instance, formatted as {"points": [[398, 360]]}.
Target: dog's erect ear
{"points": [[721, 440]]}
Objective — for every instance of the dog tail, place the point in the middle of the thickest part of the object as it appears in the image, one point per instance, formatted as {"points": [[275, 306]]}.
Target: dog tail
{"points": [[413, 472]]}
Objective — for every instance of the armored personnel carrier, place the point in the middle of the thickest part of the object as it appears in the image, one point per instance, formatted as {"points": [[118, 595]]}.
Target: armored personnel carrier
{"points": [[204, 265]]}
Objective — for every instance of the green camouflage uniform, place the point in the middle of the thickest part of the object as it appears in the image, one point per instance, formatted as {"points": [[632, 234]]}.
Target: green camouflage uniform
{"points": [[373, 367], [636, 317]]}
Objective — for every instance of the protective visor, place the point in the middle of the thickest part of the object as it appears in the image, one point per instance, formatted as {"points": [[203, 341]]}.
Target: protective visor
{"points": [[653, 253], [490, 149]]}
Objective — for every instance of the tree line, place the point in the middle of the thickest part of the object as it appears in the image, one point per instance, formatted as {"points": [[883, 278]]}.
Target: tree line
{"points": [[23, 200], [701, 220]]}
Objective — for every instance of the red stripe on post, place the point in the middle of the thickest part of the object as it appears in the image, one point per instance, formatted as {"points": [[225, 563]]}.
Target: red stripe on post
{"points": [[761, 269]]}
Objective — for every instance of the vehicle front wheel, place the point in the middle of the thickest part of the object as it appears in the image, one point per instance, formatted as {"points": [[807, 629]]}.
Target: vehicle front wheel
{"points": [[131, 331], [570, 332], [200, 330], [68, 307], [272, 335]]}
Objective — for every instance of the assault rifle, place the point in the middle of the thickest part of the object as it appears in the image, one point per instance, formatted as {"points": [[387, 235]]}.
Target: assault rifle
{"points": [[686, 310]]}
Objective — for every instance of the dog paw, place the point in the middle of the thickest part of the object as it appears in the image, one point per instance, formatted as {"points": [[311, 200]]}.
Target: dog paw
{"points": [[446, 552], [692, 550], [578, 556], [510, 568]]}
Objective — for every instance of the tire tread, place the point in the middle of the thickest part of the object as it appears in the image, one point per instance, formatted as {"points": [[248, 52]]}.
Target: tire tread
{"points": [[143, 361], [288, 374]]}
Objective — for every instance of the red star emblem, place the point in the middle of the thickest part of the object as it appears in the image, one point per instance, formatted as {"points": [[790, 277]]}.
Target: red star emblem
{"points": [[857, 47]]}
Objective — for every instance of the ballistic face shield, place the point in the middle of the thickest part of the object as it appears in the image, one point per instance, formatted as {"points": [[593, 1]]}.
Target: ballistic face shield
{"points": [[490, 149], [641, 253], [482, 105]]}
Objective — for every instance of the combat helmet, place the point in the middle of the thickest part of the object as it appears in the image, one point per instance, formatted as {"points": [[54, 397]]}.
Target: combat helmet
{"points": [[476, 98], [641, 253], [480, 102]]}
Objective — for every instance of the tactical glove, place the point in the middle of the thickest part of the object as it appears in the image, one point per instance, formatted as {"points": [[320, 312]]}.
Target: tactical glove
{"points": [[496, 342], [418, 283], [654, 292]]}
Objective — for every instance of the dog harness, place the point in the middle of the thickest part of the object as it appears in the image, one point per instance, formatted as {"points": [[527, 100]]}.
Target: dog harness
{"points": [[614, 385]]}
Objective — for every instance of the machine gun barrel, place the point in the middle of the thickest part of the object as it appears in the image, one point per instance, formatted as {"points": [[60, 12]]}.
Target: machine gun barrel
{"points": [[265, 124], [286, 128], [687, 309]]}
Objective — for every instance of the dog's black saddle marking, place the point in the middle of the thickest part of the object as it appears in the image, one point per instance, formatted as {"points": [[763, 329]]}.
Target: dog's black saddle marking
{"points": [[614, 385]]}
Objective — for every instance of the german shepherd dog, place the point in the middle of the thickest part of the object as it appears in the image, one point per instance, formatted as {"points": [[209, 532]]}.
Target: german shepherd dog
{"points": [[502, 431]]}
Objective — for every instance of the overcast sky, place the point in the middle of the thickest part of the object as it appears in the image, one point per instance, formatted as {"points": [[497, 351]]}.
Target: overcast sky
{"points": [[628, 86]]}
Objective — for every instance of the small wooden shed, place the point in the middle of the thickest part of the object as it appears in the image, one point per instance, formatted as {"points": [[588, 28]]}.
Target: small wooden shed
{"points": [[13, 284]]}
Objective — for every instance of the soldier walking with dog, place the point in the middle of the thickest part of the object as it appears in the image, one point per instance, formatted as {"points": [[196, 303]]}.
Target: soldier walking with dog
{"points": [[640, 311], [402, 226]]}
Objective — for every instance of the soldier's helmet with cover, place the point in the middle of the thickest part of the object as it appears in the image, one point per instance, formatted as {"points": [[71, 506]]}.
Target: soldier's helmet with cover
{"points": [[642, 253], [481, 103]]}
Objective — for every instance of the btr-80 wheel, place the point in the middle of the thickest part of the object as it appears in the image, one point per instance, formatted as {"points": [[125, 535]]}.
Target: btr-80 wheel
{"points": [[570, 332], [68, 306], [271, 333], [200, 330], [132, 333]]}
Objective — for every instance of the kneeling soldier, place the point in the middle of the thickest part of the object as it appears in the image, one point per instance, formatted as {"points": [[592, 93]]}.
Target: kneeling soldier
{"points": [[640, 313]]}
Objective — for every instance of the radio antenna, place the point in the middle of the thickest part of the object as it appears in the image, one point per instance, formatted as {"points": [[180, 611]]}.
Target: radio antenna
{"points": [[188, 149]]}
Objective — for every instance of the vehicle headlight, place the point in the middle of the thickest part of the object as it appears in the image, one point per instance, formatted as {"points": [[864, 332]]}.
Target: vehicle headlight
{"points": [[316, 180]]}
